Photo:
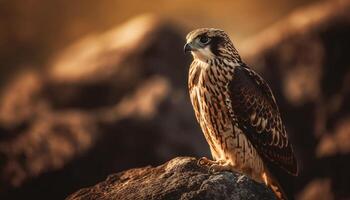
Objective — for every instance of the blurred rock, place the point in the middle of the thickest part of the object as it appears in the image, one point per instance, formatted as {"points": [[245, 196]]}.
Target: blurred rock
{"points": [[100, 57], [336, 143], [103, 67], [109, 102], [305, 60], [180, 178], [143, 103], [318, 189], [51, 141], [20, 100]]}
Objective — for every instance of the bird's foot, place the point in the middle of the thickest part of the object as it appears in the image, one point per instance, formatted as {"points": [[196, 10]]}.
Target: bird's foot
{"points": [[214, 165], [240, 178], [219, 167], [205, 162]]}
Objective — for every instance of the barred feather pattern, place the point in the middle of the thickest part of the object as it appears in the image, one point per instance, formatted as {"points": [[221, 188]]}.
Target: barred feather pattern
{"points": [[211, 101]]}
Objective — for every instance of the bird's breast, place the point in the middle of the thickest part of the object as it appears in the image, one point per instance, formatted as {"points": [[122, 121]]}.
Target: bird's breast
{"points": [[209, 93], [208, 101]]}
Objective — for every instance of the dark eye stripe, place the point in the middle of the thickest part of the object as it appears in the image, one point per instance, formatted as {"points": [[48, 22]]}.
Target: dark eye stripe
{"points": [[215, 43]]}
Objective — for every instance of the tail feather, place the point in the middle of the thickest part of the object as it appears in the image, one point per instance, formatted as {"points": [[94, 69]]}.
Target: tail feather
{"points": [[276, 188]]}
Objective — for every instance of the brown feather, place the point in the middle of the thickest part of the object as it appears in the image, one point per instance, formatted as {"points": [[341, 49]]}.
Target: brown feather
{"points": [[245, 88]]}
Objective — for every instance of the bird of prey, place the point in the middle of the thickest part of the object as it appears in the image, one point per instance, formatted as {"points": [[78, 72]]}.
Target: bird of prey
{"points": [[237, 111]]}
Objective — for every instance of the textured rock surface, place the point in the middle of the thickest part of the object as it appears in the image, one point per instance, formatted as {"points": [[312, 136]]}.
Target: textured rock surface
{"points": [[180, 178]]}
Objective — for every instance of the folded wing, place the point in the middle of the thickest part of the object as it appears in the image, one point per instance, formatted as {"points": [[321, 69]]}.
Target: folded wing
{"points": [[257, 114]]}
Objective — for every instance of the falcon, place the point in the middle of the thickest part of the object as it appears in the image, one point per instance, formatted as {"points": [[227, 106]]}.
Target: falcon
{"points": [[237, 111]]}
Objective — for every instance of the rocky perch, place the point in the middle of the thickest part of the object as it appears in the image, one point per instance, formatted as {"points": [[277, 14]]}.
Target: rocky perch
{"points": [[180, 178]]}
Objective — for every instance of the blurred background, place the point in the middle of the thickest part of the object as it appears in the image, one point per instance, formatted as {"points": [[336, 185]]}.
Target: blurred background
{"points": [[89, 88]]}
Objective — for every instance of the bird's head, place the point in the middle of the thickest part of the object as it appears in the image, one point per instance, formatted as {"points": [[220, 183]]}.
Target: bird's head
{"points": [[209, 43]]}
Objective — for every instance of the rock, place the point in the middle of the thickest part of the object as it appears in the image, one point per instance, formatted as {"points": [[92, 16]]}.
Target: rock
{"points": [[100, 102], [180, 178], [337, 143], [20, 100], [317, 189], [105, 67], [52, 140]]}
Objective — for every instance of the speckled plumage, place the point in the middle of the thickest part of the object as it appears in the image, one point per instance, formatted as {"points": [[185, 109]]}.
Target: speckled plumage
{"points": [[236, 110]]}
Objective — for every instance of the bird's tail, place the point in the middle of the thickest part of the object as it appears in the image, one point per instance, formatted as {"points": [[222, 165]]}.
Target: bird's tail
{"points": [[273, 184]]}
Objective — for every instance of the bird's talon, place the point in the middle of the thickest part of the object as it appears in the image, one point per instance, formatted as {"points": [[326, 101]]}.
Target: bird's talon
{"points": [[213, 169], [205, 162], [201, 162], [240, 178]]}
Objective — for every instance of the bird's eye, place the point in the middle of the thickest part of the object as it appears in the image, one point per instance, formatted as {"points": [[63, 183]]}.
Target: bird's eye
{"points": [[204, 39]]}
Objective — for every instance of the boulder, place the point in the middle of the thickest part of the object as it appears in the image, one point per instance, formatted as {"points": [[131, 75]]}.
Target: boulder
{"points": [[180, 178], [98, 104]]}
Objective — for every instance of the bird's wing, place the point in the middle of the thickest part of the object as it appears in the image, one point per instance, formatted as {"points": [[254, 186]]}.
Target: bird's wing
{"points": [[255, 109]]}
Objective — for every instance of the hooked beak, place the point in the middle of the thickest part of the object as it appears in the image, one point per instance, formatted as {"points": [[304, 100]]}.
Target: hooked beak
{"points": [[187, 47]]}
